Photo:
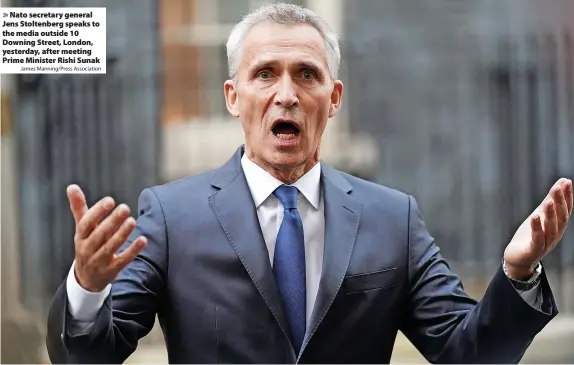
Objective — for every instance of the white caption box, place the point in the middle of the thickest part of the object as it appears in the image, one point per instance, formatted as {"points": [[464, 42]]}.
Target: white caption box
{"points": [[53, 40]]}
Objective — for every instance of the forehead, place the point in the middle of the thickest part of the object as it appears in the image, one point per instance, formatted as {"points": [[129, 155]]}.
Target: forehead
{"points": [[270, 41]]}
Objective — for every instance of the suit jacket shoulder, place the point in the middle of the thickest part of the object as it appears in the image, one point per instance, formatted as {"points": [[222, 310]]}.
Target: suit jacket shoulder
{"points": [[380, 202], [367, 190]]}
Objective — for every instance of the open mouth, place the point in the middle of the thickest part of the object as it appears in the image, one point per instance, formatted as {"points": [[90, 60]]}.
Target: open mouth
{"points": [[285, 129]]}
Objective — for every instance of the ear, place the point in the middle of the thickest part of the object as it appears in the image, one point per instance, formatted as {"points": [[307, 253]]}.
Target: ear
{"points": [[231, 99], [336, 98]]}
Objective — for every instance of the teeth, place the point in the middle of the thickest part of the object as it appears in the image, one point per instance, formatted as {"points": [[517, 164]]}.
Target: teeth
{"points": [[285, 137]]}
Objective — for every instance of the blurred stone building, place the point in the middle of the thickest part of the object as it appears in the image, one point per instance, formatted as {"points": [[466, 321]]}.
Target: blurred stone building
{"points": [[471, 106], [199, 132]]}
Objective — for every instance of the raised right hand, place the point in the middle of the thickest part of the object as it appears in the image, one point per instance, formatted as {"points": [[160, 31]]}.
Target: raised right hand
{"points": [[96, 243]]}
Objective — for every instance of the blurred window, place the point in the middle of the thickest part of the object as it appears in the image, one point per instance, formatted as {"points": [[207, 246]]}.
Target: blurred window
{"points": [[194, 33]]}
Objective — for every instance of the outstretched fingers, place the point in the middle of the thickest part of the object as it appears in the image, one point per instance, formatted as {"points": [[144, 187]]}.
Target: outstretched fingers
{"points": [[109, 249], [550, 221], [538, 238], [92, 217], [130, 253], [569, 195]]}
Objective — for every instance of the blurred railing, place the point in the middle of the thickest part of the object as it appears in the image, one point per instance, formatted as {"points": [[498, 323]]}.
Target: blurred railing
{"points": [[471, 104], [101, 132], [473, 116], [532, 102]]}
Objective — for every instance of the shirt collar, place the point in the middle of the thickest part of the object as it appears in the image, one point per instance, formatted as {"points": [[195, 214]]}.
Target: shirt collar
{"points": [[262, 184]]}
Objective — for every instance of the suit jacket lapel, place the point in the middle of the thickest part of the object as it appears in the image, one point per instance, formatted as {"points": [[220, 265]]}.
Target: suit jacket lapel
{"points": [[234, 208], [342, 217]]}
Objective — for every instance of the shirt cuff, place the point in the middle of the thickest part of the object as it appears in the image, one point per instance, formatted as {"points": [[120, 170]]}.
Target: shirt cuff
{"points": [[531, 281], [529, 290], [84, 305], [532, 296]]}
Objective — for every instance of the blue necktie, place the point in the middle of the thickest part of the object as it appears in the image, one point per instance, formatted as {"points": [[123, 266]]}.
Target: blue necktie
{"points": [[289, 265]]}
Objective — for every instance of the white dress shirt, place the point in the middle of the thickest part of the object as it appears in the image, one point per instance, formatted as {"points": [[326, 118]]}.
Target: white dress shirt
{"points": [[311, 208], [84, 305]]}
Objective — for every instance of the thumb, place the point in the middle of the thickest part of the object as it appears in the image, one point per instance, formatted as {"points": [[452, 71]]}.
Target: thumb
{"points": [[77, 200]]}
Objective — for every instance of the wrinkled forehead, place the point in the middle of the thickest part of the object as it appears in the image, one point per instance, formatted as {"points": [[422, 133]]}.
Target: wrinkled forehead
{"points": [[283, 44]]}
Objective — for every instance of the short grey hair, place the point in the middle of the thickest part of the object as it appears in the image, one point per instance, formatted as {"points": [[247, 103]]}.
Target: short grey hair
{"points": [[282, 13]]}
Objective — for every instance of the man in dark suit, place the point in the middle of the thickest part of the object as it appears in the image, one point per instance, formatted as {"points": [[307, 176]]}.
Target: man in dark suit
{"points": [[276, 257]]}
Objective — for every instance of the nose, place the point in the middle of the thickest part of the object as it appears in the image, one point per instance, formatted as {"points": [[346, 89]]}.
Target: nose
{"points": [[286, 95]]}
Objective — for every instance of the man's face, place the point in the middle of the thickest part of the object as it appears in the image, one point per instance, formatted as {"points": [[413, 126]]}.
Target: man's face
{"points": [[283, 94]]}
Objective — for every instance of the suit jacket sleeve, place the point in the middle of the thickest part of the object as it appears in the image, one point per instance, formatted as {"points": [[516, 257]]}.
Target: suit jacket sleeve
{"points": [[447, 326], [129, 312]]}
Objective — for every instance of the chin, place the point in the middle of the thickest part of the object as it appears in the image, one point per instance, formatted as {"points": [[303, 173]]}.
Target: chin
{"points": [[285, 159]]}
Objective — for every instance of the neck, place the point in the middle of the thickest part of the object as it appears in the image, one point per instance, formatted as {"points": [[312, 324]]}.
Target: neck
{"points": [[286, 174]]}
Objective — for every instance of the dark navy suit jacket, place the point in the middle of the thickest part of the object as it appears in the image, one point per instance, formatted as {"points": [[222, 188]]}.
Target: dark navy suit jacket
{"points": [[206, 273]]}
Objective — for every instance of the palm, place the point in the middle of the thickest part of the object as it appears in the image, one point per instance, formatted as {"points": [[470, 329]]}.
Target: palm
{"points": [[523, 250], [542, 231]]}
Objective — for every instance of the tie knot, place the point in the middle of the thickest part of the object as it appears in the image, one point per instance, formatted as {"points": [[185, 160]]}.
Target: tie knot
{"points": [[287, 195]]}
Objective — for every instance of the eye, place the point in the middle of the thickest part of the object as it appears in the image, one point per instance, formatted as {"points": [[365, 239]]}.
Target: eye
{"points": [[264, 75], [308, 75]]}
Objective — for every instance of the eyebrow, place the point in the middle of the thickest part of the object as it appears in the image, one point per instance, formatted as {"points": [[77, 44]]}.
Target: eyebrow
{"points": [[301, 64], [310, 65], [262, 64]]}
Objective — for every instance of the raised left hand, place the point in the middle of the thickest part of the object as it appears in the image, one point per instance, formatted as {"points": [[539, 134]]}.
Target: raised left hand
{"points": [[541, 232]]}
